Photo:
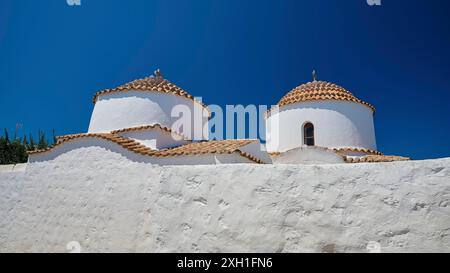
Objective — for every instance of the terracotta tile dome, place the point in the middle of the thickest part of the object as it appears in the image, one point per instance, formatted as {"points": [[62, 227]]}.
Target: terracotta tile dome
{"points": [[155, 83], [320, 90]]}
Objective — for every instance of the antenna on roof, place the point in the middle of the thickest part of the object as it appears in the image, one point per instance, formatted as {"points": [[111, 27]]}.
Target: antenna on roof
{"points": [[314, 75], [158, 73]]}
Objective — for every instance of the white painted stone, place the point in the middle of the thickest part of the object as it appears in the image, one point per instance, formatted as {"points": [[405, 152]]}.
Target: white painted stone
{"points": [[115, 111], [91, 149], [337, 124], [156, 139], [308, 155], [13, 168], [257, 150], [119, 204]]}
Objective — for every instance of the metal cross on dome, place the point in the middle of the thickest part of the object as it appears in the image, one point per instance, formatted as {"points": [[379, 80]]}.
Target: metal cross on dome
{"points": [[314, 75], [158, 73]]}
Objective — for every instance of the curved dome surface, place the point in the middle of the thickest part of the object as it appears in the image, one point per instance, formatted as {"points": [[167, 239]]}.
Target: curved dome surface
{"points": [[320, 90], [154, 83], [339, 119], [147, 102]]}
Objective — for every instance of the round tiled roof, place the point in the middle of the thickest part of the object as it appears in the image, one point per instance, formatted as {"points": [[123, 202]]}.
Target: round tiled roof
{"points": [[154, 83], [320, 90]]}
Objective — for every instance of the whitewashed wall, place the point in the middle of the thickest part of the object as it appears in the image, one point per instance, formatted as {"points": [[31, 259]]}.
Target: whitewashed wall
{"points": [[258, 150], [155, 138], [336, 124], [99, 150], [308, 155], [121, 110], [119, 205]]}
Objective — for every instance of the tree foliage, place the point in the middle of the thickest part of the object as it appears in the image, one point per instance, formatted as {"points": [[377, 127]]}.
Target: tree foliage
{"points": [[13, 151]]}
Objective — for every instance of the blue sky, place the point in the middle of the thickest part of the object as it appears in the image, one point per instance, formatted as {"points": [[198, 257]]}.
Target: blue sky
{"points": [[54, 57]]}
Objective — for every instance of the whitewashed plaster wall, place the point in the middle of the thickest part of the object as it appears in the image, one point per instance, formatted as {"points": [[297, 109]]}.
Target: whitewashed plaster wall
{"points": [[337, 124], [115, 111], [93, 149], [308, 155], [258, 150], [122, 205], [155, 138]]}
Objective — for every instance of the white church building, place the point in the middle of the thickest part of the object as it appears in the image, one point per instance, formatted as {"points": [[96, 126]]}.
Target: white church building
{"points": [[317, 122]]}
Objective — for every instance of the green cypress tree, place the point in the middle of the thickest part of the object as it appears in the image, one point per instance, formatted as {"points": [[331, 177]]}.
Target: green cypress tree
{"points": [[7, 149], [24, 149], [25, 141], [55, 139], [6, 136], [42, 144], [32, 145], [21, 153], [18, 152], [13, 151], [2, 150]]}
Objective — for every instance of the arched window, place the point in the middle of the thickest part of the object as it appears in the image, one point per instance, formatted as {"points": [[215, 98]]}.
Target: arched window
{"points": [[308, 134]]}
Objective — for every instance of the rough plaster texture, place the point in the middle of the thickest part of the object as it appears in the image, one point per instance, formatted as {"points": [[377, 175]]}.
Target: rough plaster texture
{"points": [[121, 205]]}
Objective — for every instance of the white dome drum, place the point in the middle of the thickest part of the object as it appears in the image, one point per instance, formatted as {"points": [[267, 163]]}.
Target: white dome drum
{"points": [[321, 114], [149, 101]]}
